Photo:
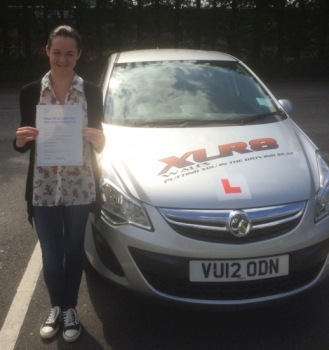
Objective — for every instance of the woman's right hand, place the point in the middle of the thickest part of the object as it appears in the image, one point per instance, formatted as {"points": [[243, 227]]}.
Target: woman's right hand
{"points": [[25, 134]]}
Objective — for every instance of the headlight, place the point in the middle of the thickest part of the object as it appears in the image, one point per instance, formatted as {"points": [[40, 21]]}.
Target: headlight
{"points": [[119, 209], [322, 197]]}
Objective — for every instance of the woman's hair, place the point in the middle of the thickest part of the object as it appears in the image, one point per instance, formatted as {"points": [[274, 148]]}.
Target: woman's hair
{"points": [[67, 32]]}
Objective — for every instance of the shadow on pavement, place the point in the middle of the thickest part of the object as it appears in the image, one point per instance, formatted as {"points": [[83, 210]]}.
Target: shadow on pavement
{"points": [[131, 322]]}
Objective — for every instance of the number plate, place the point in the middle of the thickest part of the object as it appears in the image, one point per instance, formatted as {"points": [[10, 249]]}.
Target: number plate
{"points": [[238, 270]]}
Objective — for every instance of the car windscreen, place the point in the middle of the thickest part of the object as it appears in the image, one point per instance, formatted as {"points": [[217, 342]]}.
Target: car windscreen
{"points": [[186, 93]]}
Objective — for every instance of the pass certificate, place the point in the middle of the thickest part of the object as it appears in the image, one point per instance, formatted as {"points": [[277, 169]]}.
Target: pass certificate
{"points": [[60, 141]]}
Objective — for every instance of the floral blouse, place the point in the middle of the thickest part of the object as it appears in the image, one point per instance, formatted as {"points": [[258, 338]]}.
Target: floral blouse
{"points": [[64, 185]]}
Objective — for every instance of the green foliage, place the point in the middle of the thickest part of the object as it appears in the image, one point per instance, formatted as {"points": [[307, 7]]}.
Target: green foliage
{"points": [[285, 37]]}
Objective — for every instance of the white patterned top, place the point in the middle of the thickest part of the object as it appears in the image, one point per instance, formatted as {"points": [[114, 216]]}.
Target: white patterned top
{"points": [[65, 185]]}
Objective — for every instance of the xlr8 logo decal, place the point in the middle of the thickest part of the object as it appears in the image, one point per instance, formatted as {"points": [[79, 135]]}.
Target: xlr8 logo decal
{"points": [[226, 150]]}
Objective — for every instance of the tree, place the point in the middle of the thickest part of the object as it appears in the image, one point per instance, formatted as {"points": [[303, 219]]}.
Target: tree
{"points": [[61, 9], [258, 28], [139, 24], [213, 27], [253, 28], [323, 15], [4, 27], [26, 30], [118, 28], [197, 26], [280, 6], [45, 5], [99, 26], [157, 23], [300, 23], [177, 24], [231, 44]]}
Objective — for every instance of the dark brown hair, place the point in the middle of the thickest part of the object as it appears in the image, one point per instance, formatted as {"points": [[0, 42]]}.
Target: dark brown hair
{"points": [[67, 32]]}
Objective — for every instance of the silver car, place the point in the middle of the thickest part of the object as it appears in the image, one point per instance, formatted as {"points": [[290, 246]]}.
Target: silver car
{"points": [[211, 194]]}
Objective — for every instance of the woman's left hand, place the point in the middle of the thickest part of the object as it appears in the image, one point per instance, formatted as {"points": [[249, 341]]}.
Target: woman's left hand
{"points": [[95, 136]]}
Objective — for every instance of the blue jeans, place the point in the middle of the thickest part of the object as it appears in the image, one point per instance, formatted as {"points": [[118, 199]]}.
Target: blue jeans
{"points": [[61, 232]]}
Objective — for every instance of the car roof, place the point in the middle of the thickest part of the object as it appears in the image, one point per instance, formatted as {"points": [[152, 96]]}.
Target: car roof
{"points": [[171, 54]]}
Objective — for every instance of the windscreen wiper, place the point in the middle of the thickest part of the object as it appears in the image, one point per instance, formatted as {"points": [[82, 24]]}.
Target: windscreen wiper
{"points": [[181, 123], [253, 118], [159, 122]]}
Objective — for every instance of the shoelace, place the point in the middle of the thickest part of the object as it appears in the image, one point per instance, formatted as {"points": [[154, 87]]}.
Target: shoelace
{"points": [[52, 315], [70, 318]]}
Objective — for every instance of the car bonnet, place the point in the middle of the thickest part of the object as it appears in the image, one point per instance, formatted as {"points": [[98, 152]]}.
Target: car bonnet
{"points": [[211, 167]]}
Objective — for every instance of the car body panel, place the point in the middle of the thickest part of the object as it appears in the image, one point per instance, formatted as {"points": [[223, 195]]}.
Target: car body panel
{"points": [[257, 168], [210, 167], [171, 54]]}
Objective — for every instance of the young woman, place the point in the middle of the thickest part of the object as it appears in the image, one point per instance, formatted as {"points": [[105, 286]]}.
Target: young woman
{"points": [[60, 197]]}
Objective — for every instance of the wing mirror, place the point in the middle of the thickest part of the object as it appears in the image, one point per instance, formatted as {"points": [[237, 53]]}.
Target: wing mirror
{"points": [[286, 105]]}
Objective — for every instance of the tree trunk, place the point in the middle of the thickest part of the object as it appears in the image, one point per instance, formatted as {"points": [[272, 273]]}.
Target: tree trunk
{"points": [[177, 24], [77, 13], [5, 30], [99, 27], [157, 21], [300, 25], [281, 28], [213, 34], [118, 28], [26, 31], [139, 24], [324, 32], [45, 4], [231, 45], [259, 25], [61, 10], [197, 25]]}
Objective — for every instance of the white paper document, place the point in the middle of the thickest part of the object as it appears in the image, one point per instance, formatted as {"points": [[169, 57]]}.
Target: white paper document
{"points": [[60, 141]]}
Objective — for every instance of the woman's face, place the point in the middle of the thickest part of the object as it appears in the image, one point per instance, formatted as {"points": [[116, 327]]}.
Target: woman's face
{"points": [[63, 55]]}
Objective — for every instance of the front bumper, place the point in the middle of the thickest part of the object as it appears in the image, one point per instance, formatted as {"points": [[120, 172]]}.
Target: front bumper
{"points": [[169, 275], [157, 263]]}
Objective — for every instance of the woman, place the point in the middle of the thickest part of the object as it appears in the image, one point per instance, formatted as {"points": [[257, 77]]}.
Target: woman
{"points": [[60, 197]]}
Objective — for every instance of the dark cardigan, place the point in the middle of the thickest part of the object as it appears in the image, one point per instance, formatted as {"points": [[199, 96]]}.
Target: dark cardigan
{"points": [[29, 99]]}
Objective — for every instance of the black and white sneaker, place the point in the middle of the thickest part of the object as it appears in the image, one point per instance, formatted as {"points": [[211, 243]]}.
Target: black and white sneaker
{"points": [[51, 325], [71, 328]]}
